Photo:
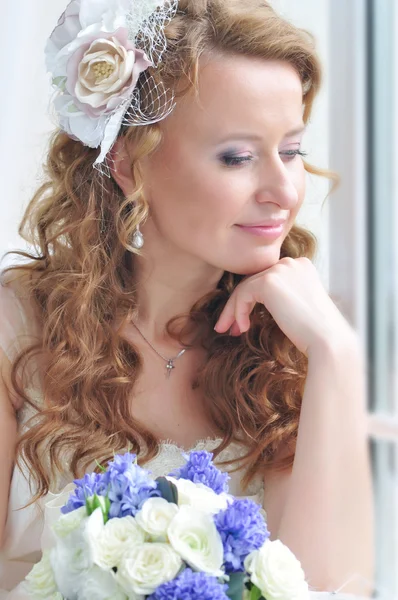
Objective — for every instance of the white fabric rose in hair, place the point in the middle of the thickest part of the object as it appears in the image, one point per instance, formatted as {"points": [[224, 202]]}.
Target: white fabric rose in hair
{"points": [[103, 73], [155, 517], [95, 66], [277, 572], [194, 536], [146, 567]]}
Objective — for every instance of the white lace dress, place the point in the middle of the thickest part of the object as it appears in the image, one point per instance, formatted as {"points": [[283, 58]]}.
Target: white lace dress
{"points": [[27, 529]]}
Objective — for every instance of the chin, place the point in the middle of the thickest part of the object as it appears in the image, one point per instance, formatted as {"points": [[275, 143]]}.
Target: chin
{"points": [[256, 264]]}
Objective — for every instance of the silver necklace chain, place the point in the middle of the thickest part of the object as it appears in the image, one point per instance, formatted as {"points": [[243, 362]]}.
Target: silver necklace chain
{"points": [[170, 361]]}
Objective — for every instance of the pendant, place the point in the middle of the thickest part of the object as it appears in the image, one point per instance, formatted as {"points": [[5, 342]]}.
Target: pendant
{"points": [[138, 240], [169, 368]]}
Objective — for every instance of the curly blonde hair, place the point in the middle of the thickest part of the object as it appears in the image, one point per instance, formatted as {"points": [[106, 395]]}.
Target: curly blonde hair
{"points": [[82, 275]]}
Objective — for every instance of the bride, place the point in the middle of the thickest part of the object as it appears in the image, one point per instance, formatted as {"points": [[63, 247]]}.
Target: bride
{"points": [[172, 302]]}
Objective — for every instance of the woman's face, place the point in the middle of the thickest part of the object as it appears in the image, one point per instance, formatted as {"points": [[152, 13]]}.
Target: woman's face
{"points": [[229, 159]]}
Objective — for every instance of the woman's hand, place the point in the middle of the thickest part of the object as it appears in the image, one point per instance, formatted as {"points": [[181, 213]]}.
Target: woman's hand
{"points": [[293, 293]]}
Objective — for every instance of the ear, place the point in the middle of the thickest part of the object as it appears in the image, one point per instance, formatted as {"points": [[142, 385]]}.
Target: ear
{"points": [[121, 167]]}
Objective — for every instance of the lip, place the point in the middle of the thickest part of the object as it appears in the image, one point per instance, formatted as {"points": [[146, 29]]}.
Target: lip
{"points": [[270, 233], [274, 223]]}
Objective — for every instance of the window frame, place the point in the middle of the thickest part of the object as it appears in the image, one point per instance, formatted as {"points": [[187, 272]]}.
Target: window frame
{"points": [[359, 101]]}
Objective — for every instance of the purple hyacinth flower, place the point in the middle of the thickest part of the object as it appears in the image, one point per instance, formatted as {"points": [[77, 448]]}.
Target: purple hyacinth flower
{"points": [[128, 485], [191, 586], [199, 468], [90, 484], [242, 529]]}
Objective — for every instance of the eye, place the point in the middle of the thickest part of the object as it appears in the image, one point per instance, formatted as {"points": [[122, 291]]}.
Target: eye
{"points": [[232, 160], [292, 153]]}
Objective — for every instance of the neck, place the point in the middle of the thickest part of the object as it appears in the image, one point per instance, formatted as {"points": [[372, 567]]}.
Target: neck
{"points": [[169, 286]]}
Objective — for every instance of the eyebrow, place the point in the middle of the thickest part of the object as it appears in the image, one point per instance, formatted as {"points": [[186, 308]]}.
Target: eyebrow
{"points": [[248, 136]]}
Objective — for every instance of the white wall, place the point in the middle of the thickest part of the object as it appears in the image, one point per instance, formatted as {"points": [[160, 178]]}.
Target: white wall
{"points": [[24, 93]]}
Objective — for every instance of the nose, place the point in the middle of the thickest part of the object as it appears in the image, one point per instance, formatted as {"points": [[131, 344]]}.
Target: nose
{"points": [[277, 185]]}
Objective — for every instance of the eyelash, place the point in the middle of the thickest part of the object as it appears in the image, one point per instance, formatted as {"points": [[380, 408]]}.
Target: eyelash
{"points": [[239, 160]]}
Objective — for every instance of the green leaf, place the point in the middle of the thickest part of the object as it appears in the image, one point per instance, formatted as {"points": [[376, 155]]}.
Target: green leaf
{"points": [[101, 467], [255, 593], [167, 490], [236, 586], [106, 509], [101, 502], [89, 505], [72, 108], [59, 82]]}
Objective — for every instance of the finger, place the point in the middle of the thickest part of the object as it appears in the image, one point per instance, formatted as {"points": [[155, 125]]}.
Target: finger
{"points": [[243, 311], [227, 316], [235, 331]]}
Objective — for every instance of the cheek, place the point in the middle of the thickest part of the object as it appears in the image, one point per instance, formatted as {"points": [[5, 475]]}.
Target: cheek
{"points": [[185, 204], [191, 195], [299, 181]]}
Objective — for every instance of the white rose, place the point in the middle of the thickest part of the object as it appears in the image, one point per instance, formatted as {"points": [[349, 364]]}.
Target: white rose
{"points": [[40, 583], [144, 568], [77, 125], [194, 536], [95, 67], [155, 517], [73, 555], [92, 531], [101, 585], [199, 496], [69, 522], [70, 564], [105, 73], [277, 572], [80, 24], [116, 537]]}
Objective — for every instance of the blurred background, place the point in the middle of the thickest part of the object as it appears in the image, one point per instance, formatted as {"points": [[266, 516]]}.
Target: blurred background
{"points": [[353, 131]]}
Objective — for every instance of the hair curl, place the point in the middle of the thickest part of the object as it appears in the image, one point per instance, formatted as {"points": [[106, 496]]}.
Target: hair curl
{"points": [[80, 278]]}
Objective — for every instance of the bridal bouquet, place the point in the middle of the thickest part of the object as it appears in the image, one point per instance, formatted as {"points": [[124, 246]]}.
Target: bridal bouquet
{"points": [[125, 536]]}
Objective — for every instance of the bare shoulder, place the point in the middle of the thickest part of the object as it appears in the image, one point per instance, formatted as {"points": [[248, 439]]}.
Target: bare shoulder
{"points": [[8, 438]]}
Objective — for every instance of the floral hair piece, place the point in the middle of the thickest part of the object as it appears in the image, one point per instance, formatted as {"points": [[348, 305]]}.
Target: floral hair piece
{"points": [[98, 56]]}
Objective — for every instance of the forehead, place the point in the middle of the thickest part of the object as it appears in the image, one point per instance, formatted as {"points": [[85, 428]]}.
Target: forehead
{"points": [[241, 92]]}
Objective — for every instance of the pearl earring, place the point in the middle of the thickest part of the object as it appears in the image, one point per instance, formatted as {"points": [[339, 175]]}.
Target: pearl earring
{"points": [[138, 239]]}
